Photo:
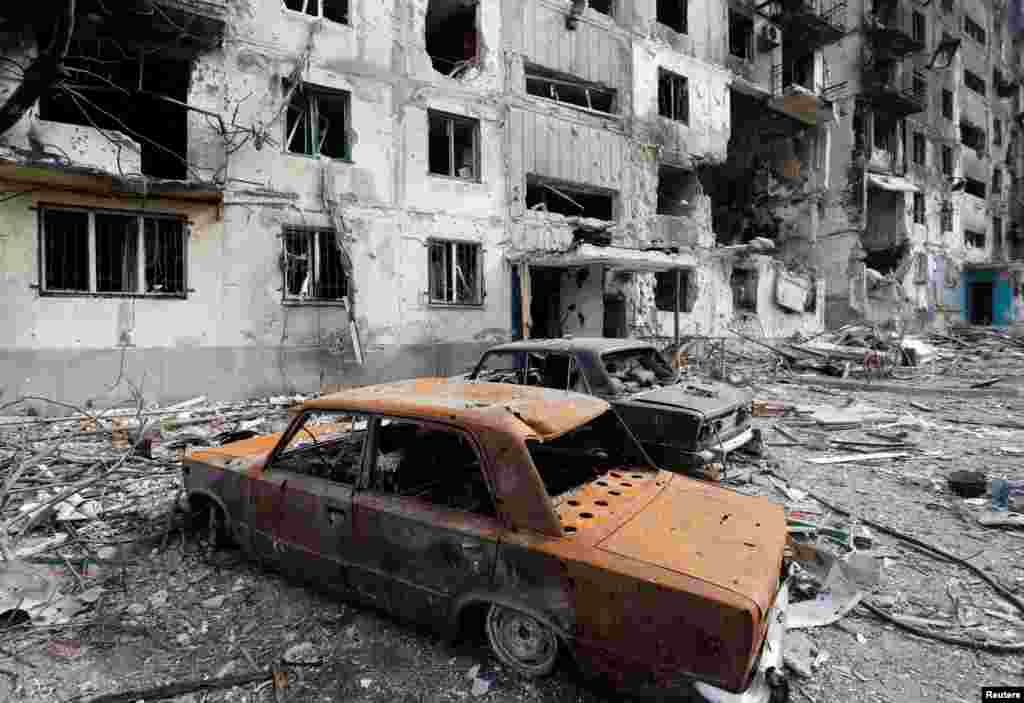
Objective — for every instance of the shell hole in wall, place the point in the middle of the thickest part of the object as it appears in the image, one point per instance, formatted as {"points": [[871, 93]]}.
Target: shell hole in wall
{"points": [[452, 36]]}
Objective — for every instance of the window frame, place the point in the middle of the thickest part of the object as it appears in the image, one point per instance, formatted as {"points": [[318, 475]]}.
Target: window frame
{"points": [[748, 49], [288, 298], [347, 22], [535, 72], [450, 120], [684, 12], [314, 91], [92, 260], [946, 217], [674, 80], [947, 93], [919, 209], [481, 292], [296, 425], [919, 147], [948, 161], [970, 235], [921, 36]]}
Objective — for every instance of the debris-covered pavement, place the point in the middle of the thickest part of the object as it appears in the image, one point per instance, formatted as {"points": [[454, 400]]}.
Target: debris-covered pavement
{"points": [[103, 590]]}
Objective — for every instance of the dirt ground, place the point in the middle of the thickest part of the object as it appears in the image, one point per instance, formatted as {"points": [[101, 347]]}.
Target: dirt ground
{"points": [[173, 613]]}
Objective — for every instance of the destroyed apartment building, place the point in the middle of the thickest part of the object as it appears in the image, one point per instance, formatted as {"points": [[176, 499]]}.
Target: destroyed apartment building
{"points": [[301, 192], [923, 226]]}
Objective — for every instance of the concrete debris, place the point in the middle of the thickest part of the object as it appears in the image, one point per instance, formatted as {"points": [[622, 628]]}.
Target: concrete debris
{"points": [[303, 653]]}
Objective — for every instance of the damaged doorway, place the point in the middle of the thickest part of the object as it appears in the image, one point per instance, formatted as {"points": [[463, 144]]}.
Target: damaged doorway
{"points": [[545, 302], [981, 296]]}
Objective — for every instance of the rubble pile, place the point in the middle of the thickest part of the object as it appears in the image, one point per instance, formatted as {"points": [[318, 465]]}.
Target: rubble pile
{"points": [[75, 488]]}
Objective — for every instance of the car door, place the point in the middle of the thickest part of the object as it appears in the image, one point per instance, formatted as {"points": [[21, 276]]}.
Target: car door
{"points": [[315, 475], [425, 522]]}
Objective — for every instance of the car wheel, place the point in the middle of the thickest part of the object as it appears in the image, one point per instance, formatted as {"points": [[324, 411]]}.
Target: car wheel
{"points": [[521, 642]]}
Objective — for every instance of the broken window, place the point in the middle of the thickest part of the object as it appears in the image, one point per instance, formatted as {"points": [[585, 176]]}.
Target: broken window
{"points": [[997, 232], [947, 104], [919, 87], [567, 89], [997, 181], [676, 189], [673, 96], [113, 88], [946, 217], [605, 7], [133, 254], [665, 291], [947, 160], [975, 239], [317, 122], [454, 146], [674, 14], [919, 208], [997, 132], [333, 10], [885, 132], [569, 199], [798, 70], [312, 265], [972, 186], [451, 35], [974, 30], [919, 30], [744, 289], [326, 445], [919, 149], [455, 273], [430, 464], [972, 136], [741, 35], [974, 82]]}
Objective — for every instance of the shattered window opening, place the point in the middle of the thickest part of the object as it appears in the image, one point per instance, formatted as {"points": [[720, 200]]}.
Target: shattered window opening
{"points": [[452, 39], [972, 186], [972, 136], [454, 149], [974, 82], [584, 455], [129, 258], [312, 265], [919, 149], [919, 208], [333, 10], [997, 132], [317, 122], [946, 217], [634, 370], [997, 233], [744, 289], [674, 14], [605, 7], [665, 291], [569, 199], [327, 445], [437, 466], [673, 96], [947, 104], [919, 28], [455, 272], [741, 36], [884, 132], [974, 239], [947, 160], [677, 189], [562, 88], [997, 181]]}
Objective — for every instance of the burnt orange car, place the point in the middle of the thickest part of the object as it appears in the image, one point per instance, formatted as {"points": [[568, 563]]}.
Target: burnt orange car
{"points": [[526, 510]]}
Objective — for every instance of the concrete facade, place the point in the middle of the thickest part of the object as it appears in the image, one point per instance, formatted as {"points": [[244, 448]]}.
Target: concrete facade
{"points": [[474, 172]]}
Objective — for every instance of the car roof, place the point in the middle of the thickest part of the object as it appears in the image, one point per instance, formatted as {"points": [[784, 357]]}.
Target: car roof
{"points": [[599, 345], [529, 412]]}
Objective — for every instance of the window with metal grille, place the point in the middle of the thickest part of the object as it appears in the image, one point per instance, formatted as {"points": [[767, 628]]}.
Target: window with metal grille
{"points": [[673, 96], [455, 272], [947, 104], [947, 160], [946, 217], [920, 31], [312, 266], [673, 14], [107, 252], [568, 89], [317, 122], [334, 10], [974, 82], [454, 146], [919, 149], [974, 30], [919, 208]]}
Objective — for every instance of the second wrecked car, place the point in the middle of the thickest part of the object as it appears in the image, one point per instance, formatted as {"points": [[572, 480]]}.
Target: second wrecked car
{"points": [[519, 511]]}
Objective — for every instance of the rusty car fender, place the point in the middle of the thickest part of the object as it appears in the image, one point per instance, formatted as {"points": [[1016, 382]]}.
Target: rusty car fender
{"points": [[216, 500], [509, 601]]}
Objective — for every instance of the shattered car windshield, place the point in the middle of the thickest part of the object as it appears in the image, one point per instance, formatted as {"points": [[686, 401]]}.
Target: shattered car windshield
{"points": [[501, 367], [584, 454], [632, 370]]}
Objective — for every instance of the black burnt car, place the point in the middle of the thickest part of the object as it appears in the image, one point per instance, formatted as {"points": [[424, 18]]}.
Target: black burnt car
{"points": [[681, 423]]}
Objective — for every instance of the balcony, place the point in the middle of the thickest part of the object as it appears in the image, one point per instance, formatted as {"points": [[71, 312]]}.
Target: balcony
{"points": [[184, 27], [890, 25], [897, 92], [799, 97], [810, 23]]}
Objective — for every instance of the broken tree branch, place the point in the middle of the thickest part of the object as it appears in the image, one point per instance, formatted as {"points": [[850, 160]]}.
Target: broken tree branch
{"points": [[179, 689]]}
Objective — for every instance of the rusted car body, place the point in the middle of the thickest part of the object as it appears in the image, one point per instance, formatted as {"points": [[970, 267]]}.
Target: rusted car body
{"points": [[446, 502], [681, 423]]}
